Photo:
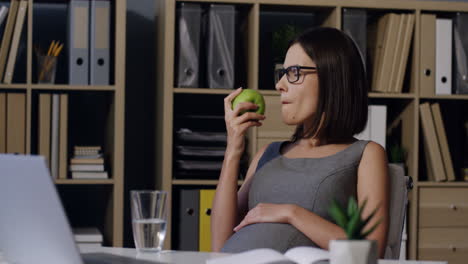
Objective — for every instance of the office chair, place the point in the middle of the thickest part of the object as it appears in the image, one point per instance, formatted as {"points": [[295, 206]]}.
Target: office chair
{"points": [[399, 186]]}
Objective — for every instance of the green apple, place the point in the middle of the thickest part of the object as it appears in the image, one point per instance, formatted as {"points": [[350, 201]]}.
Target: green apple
{"points": [[253, 96]]}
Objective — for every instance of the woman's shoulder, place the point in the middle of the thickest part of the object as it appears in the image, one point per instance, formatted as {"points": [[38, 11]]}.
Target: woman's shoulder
{"points": [[373, 148], [373, 155]]}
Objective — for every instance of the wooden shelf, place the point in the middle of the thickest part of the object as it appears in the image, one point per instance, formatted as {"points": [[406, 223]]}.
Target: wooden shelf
{"points": [[217, 1], [13, 86], [392, 95], [202, 91], [66, 87], [199, 182], [447, 97], [31, 113], [442, 184], [84, 181]]}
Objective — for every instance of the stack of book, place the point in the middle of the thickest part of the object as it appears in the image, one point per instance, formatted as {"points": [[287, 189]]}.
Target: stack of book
{"points": [[438, 159], [389, 41], [87, 238], [87, 163]]}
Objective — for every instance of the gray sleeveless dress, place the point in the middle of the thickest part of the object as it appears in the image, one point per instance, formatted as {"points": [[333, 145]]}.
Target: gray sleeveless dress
{"points": [[311, 183]]}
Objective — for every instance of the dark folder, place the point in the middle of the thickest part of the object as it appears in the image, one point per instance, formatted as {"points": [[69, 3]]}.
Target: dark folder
{"points": [[460, 54], [188, 45], [221, 46], [189, 209], [355, 25]]}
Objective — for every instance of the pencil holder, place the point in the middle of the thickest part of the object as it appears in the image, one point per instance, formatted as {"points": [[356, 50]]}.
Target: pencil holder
{"points": [[46, 67]]}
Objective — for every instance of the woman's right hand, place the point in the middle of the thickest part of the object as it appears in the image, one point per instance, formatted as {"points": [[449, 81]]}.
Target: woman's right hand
{"points": [[237, 125]]}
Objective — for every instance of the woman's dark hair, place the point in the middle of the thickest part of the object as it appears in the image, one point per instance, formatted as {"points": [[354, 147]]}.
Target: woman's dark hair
{"points": [[342, 85]]}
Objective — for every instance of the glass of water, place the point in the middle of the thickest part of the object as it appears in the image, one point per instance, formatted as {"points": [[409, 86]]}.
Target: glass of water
{"points": [[149, 219]]}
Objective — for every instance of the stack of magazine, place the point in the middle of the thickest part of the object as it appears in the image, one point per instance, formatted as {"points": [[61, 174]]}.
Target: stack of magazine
{"points": [[199, 154], [87, 238], [87, 163]]}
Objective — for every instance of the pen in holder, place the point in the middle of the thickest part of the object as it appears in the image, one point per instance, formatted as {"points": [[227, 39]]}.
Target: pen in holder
{"points": [[47, 62], [46, 67]]}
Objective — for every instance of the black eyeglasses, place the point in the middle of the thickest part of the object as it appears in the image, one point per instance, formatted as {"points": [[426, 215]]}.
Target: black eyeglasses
{"points": [[293, 73]]}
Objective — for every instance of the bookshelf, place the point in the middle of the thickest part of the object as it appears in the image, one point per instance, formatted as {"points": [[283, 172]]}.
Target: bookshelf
{"points": [[403, 117], [87, 202]]}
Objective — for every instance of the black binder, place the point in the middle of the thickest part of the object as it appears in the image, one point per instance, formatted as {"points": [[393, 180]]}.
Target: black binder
{"points": [[355, 25], [187, 71], [189, 209], [460, 54], [221, 46]]}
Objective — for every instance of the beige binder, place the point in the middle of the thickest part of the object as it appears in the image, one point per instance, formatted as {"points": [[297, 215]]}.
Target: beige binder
{"points": [[402, 21], [377, 51], [16, 123], [23, 6], [442, 139], [2, 122], [388, 51], [403, 61], [434, 160], [10, 24], [427, 58], [45, 112], [63, 135]]}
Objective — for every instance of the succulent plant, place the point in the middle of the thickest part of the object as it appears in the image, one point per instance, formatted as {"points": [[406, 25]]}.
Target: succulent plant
{"points": [[351, 220], [397, 153], [281, 39]]}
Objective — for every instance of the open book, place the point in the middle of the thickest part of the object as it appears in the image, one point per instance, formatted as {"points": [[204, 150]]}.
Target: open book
{"points": [[297, 255]]}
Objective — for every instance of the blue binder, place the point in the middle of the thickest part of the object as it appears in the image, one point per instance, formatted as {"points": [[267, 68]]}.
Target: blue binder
{"points": [[99, 42], [78, 44]]}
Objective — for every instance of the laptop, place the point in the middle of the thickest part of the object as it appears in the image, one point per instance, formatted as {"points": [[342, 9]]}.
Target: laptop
{"points": [[33, 224]]}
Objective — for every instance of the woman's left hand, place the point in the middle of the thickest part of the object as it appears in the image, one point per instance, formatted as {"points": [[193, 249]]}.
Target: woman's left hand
{"points": [[267, 213]]}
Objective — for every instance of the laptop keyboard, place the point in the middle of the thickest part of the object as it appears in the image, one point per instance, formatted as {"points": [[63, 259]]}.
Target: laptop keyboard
{"points": [[105, 258]]}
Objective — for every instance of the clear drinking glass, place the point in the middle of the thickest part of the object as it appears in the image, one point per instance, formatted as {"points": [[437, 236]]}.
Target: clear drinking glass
{"points": [[149, 217]]}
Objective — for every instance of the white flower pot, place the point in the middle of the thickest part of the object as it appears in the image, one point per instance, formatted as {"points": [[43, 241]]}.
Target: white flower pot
{"points": [[353, 252]]}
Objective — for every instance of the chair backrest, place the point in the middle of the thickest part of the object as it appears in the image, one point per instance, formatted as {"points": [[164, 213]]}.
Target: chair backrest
{"points": [[399, 184]]}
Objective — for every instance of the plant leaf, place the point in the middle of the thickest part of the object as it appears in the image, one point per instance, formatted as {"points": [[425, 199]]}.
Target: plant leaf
{"points": [[369, 217], [370, 230], [352, 206], [338, 214], [353, 230]]}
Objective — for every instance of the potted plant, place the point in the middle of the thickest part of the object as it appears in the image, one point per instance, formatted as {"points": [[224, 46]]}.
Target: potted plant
{"points": [[280, 41], [397, 155], [356, 249]]}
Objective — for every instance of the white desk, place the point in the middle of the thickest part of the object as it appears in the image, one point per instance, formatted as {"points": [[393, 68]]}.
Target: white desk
{"points": [[192, 257], [166, 256]]}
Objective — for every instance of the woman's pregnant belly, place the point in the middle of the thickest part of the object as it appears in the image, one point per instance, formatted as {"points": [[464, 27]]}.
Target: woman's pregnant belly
{"points": [[277, 236]]}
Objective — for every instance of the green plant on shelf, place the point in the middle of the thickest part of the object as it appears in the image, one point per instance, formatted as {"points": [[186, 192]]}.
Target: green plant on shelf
{"points": [[397, 153], [281, 39]]}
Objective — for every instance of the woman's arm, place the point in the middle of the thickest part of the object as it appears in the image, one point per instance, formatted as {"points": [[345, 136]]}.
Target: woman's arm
{"points": [[225, 212], [372, 184]]}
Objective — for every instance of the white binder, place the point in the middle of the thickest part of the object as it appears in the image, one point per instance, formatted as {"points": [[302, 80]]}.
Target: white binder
{"points": [[221, 46], [78, 35], [99, 42], [378, 121], [376, 127], [443, 72]]}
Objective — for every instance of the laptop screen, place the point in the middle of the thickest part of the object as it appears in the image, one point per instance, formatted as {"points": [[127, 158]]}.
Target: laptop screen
{"points": [[33, 225]]}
